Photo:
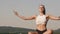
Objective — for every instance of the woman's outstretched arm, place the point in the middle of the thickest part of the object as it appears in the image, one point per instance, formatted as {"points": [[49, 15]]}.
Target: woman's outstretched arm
{"points": [[24, 18], [54, 17]]}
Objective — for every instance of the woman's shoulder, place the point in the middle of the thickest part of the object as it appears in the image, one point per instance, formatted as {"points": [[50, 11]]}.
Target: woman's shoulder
{"points": [[47, 15]]}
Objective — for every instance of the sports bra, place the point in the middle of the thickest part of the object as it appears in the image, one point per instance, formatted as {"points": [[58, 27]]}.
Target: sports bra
{"points": [[40, 19]]}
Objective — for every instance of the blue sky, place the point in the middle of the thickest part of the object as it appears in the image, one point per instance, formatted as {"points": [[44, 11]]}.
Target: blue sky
{"points": [[27, 8]]}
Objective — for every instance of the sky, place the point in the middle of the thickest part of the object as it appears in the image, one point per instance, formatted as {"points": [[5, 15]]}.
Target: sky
{"points": [[27, 8]]}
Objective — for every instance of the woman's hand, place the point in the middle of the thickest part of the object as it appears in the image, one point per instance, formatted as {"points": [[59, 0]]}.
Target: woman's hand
{"points": [[15, 12]]}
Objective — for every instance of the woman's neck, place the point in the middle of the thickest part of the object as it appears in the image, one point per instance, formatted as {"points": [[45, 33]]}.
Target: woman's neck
{"points": [[41, 14]]}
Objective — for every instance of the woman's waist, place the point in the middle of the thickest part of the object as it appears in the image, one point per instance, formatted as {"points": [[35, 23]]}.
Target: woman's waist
{"points": [[41, 27]]}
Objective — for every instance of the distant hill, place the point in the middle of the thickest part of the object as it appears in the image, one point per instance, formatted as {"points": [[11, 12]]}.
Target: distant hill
{"points": [[8, 29], [5, 29], [57, 31]]}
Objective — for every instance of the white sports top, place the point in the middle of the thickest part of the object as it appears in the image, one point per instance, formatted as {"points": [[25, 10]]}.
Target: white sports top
{"points": [[40, 19]]}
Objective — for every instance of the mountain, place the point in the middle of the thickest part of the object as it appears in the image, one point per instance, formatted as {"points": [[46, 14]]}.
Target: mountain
{"points": [[9, 29], [5, 29], [57, 31]]}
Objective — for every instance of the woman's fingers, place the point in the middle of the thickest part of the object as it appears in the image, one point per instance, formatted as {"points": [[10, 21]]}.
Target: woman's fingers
{"points": [[15, 12]]}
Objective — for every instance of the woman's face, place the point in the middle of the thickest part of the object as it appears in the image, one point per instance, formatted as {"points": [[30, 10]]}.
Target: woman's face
{"points": [[41, 8]]}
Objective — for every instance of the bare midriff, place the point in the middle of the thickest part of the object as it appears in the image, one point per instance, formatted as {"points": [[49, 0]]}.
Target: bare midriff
{"points": [[41, 27]]}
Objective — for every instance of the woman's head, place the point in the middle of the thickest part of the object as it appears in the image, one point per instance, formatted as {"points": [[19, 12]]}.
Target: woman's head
{"points": [[42, 9]]}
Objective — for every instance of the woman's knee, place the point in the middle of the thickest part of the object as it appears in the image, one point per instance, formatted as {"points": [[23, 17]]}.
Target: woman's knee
{"points": [[50, 31], [32, 33], [29, 32]]}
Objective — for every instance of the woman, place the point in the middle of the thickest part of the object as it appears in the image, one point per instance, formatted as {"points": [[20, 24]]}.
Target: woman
{"points": [[41, 21]]}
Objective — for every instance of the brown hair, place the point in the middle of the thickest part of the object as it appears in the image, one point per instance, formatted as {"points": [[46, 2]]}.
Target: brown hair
{"points": [[44, 9]]}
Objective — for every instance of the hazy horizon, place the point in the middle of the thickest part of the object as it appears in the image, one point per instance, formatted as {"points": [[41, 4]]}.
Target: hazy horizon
{"points": [[27, 8]]}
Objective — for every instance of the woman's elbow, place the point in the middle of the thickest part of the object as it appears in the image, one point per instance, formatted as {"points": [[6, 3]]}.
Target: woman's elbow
{"points": [[25, 19], [58, 18]]}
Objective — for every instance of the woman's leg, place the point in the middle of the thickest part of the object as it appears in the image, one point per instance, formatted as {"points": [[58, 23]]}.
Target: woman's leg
{"points": [[32, 33], [49, 31]]}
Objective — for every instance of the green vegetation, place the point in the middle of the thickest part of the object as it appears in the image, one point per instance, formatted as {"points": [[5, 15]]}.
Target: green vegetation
{"points": [[16, 30]]}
